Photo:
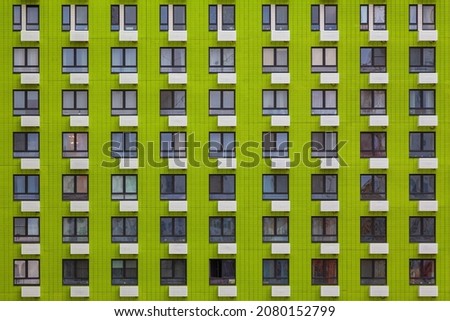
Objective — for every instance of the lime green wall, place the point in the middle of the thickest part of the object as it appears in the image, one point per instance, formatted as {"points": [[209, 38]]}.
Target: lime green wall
{"points": [[250, 125]]}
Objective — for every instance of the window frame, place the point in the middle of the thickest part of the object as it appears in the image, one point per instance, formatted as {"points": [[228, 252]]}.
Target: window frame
{"points": [[78, 236], [125, 278], [124, 195], [174, 182], [414, 19], [176, 236], [172, 151], [364, 26], [373, 152], [75, 67], [373, 109], [423, 109], [324, 195], [222, 194], [26, 280], [28, 54], [171, 107], [419, 194], [320, 277], [172, 67], [423, 151], [422, 67], [121, 100], [275, 194], [223, 237], [275, 66], [125, 235], [320, 147], [29, 103], [324, 67], [124, 53], [75, 195], [373, 195], [173, 279], [274, 106], [213, 21], [324, 109], [371, 277], [277, 235], [26, 195], [222, 150], [123, 145], [277, 277], [77, 152], [420, 223], [29, 25], [221, 67], [325, 235], [76, 279], [115, 26], [221, 110], [368, 229], [79, 26], [27, 151], [422, 270], [26, 236], [219, 270], [278, 148], [374, 66], [77, 95], [164, 18]]}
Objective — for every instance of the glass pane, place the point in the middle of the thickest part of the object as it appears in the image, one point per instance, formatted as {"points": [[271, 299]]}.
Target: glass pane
{"points": [[33, 56], [33, 226], [19, 57], [68, 100], [428, 14], [366, 56], [317, 56], [330, 99], [228, 57], [68, 184], [130, 57], [268, 184], [179, 15], [282, 56], [117, 184], [130, 184], [330, 56], [179, 57], [364, 11], [268, 57], [166, 57], [379, 14], [130, 99], [130, 15], [33, 184], [82, 184], [330, 14], [228, 184]]}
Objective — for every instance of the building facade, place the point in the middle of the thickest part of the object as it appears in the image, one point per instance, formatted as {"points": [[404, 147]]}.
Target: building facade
{"points": [[232, 150]]}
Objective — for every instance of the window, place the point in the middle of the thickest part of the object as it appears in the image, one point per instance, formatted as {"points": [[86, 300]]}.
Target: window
{"points": [[276, 229], [324, 187], [373, 272], [324, 229], [30, 15], [329, 19], [422, 102], [422, 187], [173, 145], [373, 102], [75, 187], [172, 102], [228, 17], [222, 229], [324, 59], [324, 144], [275, 102], [222, 271], [275, 59], [124, 229], [74, 102], [128, 15], [373, 229], [75, 60], [26, 272], [26, 145], [124, 272], [221, 102], [124, 145], [275, 145], [275, 187], [428, 17], [124, 187], [178, 17], [373, 144], [377, 15], [373, 187], [26, 102], [123, 102], [221, 60], [324, 272], [81, 17], [173, 272], [422, 144], [281, 17], [422, 59], [222, 187], [75, 229], [76, 272], [173, 187], [422, 272], [173, 229], [173, 60], [323, 102], [26, 187], [123, 60], [422, 229], [275, 272], [222, 145], [26, 60], [75, 145], [373, 59], [26, 230]]}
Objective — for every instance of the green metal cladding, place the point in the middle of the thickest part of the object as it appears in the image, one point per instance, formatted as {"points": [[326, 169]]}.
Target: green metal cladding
{"points": [[251, 250]]}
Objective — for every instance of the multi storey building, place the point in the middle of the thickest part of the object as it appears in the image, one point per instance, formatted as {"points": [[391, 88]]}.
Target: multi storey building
{"points": [[236, 150]]}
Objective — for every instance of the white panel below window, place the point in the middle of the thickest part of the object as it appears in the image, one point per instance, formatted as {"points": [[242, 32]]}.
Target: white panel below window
{"points": [[128, 78], [281, 206], [281, 248], [177, 79], [177, 121], [227, 78], [128, 248], [129, 163], [329, 248], [128, 121], [428, 206], [178, 206], [128, 206], [79, 121], [177, 163], [79, 248], [281, 291], [30, 163], [226, 206], [378, 35], [30, 206], [329, 163], [227, 291], [329, 291], [79, 206], [428, 163], [427, 35], [30, 121], [329, 206], [378, 163], [77, 35], [280, 78], [226, 163], [428, 291], [378, 78], [129, 291], [427, 121], [378, 206], [379, 121], [79, 79], [228, 35], [280, 121], [280, 35], [428, 248], [280, 163], [227, 248], [329, 121], [177, 35], [79, 292], [79, 163], [381, 291], [26, 35], [31, 249], [30, 292], [178, 291], [428, 78], [178, 248], [379, 248], [226, 121], [30, 78], [125, 35], [329, 35]]}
